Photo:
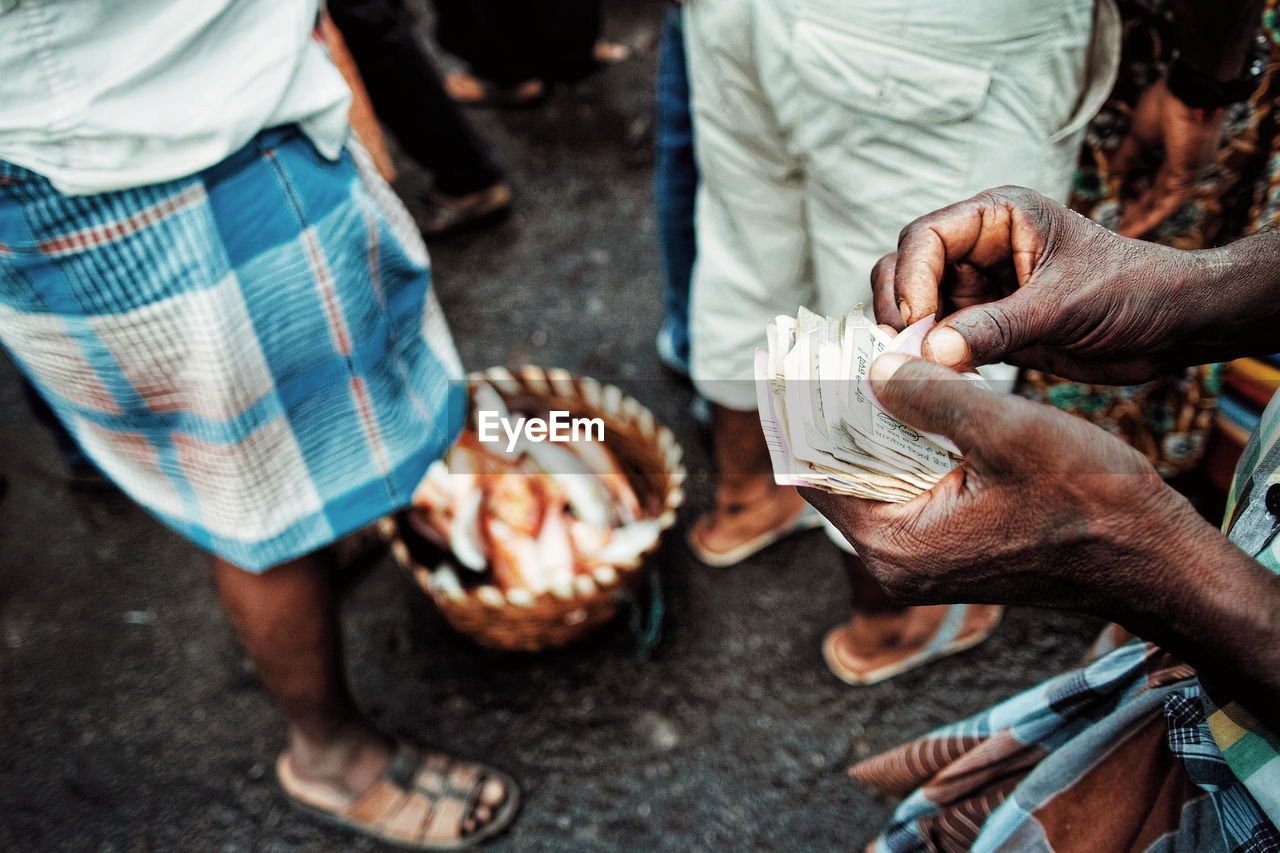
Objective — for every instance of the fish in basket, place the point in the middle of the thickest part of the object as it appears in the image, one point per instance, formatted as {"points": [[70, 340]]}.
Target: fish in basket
{"points": [[529, 541]]}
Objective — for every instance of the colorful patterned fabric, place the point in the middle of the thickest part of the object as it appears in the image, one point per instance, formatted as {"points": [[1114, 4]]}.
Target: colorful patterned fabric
{"points": [[252, 353], [1169, 419], [1253, 752], [1128, 753], [1241, 191]]}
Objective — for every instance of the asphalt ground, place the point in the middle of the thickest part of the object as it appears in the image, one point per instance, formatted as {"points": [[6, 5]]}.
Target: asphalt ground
{"points": [[132, 722]]}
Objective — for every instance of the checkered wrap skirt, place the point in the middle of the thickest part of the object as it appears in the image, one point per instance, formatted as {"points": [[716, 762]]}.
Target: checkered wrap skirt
{"points": [[252, 353], [1116, 756]]}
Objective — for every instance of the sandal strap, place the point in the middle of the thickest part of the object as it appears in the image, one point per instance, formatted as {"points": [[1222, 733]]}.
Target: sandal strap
{"points": [[421, 797], [379, 804], [403, 767], [441, 775], [411, 822], [445, 823]]}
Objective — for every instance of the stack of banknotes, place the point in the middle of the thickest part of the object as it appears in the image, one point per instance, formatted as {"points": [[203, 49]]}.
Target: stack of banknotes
{"points": [[822, 421]]}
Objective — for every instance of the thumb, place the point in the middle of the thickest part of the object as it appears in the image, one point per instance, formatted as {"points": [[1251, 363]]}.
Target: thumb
{"points": [[988, 333], [932, 398]]}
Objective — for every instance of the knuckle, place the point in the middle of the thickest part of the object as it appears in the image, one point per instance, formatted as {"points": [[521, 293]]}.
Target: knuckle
{"points": [[883, 270], [908, 391], [911, 229], [1014, 196], [1001, 325]]}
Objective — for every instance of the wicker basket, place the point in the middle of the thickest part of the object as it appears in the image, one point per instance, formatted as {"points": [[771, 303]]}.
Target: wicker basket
{"points": [[521, 621]]}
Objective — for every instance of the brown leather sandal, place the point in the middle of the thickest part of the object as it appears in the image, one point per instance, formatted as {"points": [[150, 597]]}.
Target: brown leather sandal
{"points": [[420, 803]]}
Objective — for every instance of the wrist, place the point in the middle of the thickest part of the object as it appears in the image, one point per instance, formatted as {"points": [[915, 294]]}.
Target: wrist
{"points": [[1153, 536], [1178, 292], [1219, 42], [1224, 302], [1165, 581], [1209, 93], [1191, 591]]}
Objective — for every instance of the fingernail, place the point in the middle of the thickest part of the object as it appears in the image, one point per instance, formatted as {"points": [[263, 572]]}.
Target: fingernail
{"points": [[904, 310], [883, 368], [945, 346]]}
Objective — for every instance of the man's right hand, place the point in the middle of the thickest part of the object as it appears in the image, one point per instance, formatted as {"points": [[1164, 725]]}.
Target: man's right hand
{"points": [[1018, 278]]}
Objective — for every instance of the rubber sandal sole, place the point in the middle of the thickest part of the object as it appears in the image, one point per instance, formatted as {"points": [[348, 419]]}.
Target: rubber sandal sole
{"points": [[919, 659], [809, 519]]}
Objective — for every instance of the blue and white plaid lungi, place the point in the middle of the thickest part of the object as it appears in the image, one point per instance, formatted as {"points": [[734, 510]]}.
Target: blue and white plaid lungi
{"points": [[252, 353]]}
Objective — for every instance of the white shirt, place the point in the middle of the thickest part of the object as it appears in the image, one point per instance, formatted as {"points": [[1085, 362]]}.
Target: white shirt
{"points": [[100, 95]]}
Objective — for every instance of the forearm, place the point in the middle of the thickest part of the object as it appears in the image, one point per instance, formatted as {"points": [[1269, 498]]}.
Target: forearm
{"points": [[1206, 601], [1226, 301], [1216, 37]]}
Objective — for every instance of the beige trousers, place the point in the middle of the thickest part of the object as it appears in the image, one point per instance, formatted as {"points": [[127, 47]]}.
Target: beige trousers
{"points": [[822, 127]]}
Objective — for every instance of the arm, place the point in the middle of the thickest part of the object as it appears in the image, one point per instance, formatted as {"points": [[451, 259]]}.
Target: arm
{"points": [[1217, 609], [1231, 304], [1215, 42], [1019, 278], [1050, 511]]}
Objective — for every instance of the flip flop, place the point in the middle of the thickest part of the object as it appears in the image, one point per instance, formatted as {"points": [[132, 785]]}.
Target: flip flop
{"points": [[450, 216], [808, 519], [947, 640], [420, 802]]}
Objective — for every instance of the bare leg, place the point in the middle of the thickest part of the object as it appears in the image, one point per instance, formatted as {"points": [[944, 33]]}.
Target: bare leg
{"points": [[748, 502], [287, 620]]}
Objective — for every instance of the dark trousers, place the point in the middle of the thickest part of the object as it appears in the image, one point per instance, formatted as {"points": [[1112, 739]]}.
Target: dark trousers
{"points": [[510, 41], [675, 186], [408, 97]]}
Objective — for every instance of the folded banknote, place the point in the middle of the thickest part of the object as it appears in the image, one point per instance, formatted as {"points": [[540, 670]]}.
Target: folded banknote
{"points": [[821, 419]]}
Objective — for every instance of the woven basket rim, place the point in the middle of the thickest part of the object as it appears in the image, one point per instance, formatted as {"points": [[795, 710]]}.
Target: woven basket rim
{"points": [[604, 580]]}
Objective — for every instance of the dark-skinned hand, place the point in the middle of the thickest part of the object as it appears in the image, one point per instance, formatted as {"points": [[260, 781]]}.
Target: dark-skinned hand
{"points": [[1018, 278], [1047, 509]]}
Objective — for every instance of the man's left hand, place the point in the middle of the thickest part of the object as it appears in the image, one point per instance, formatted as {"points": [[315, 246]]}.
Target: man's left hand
{"points": [[1046, 509]]}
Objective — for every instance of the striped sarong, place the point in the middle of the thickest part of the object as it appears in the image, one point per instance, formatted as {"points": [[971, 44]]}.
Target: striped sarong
{"points": [[252, 353], [1127, 753], [1117, 756]]}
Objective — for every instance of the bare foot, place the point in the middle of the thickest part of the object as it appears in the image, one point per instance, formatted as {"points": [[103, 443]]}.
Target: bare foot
{"points": [[871, 643], [352, 762], [468, 89], [743, 515], [610, 52], [464, 88], [526, 92]]}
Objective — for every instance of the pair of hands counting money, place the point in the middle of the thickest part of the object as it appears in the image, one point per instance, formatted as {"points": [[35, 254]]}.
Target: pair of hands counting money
{"points": [[953, 493], [823, 422]]}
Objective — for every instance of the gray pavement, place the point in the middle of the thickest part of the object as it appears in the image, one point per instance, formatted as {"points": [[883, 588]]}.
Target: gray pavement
{"points": [[131, 721]]}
